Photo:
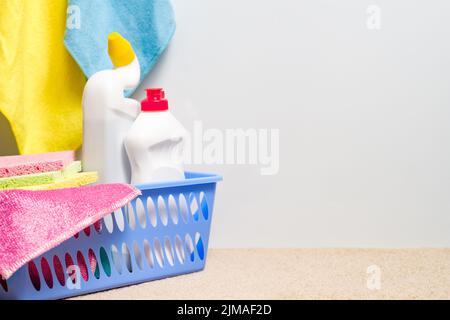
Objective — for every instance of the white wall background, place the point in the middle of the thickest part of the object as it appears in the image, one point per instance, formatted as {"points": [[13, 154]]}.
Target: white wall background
{"points": [[364, 117]]}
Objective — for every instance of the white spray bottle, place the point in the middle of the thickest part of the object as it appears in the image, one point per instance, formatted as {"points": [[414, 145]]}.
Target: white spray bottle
{"points": [[108, 115]]}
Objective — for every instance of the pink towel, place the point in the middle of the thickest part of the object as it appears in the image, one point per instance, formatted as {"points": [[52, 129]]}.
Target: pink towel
{"points": [[33, 222]]}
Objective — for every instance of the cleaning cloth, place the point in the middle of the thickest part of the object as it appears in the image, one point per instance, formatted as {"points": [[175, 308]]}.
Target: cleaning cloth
{"points": [[40, 178], [147, 25], [33, 222], [40, 84], [35, 163]]}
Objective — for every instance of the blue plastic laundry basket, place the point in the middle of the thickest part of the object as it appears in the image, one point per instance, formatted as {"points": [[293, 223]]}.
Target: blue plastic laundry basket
{"points": [[162, 233]]}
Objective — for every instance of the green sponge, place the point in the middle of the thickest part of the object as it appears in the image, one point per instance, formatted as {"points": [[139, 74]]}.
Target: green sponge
{"points": [[40, 178]]}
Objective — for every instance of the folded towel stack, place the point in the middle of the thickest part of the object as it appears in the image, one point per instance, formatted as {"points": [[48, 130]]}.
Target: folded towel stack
{"points": [[26, 230], [54, 170]]}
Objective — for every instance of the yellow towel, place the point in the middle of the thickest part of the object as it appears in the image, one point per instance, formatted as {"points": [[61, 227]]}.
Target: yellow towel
{"points": [[76, 180], [40, 84]]}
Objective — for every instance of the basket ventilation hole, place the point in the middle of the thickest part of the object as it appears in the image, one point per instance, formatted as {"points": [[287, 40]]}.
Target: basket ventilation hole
{"points": [[199, 246], [162, 210], [109, 223], [190, 247], [87, 231], [82, 265], [169, 250], [98, 226], [179, 249], [71, 268], [173, 209], [184, 209], [47, 272], [127, 257], [194, 206], [151, 211], [204, 205], [3, 283], [93, 264], [76, 236], [105, 261], [59, 271], [131, 218], [158, 252], [148, 254], [140, 212], [138, 256], [34, 275], [116, 259], [118, 216]]}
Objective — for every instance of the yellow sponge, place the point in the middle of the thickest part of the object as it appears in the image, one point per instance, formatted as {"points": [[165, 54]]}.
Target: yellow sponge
{"points": [[120, 50], [76, 180]]}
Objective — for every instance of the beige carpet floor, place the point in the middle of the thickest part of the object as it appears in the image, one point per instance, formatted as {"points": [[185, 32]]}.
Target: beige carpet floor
{"points": [[305, 274]]}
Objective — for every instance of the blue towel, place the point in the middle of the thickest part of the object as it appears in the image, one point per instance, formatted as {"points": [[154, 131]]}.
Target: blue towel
{"points": [[147, 24]]}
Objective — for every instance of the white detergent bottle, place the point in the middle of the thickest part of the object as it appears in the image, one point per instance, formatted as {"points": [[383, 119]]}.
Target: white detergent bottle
{"points": [[108, 115], [155, 142]]}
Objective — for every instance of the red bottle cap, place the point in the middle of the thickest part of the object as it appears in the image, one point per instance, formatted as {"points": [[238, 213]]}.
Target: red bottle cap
{"points": [[156, 101]]}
